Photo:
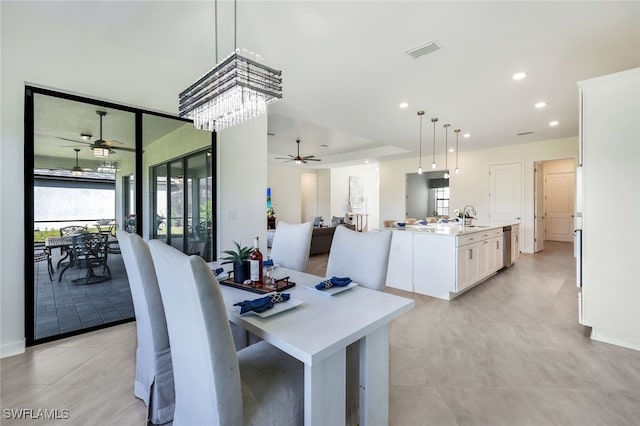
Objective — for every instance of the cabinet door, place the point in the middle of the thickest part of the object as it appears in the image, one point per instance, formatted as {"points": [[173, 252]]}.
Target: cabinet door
{"points": [[467, 266], [515, 245], [485, 257], [462, 276], [496, 244]]}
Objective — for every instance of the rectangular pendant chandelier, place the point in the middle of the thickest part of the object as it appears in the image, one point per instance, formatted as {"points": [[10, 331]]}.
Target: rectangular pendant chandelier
{"points": [[236, 90]]}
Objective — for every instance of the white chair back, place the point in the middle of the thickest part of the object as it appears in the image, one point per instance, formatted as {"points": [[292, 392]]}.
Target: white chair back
{"points": [[291, 245], [205, 363], [154, 373], [361, 256]]}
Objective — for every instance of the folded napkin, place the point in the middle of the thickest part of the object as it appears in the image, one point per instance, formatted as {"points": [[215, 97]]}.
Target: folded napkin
{"points": [[218, 271], [267, 263], [262, 304], [333, 282]]}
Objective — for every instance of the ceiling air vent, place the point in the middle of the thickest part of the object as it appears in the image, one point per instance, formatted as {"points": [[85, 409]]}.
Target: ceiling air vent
{"points": [[423, 49], [524, 133]]}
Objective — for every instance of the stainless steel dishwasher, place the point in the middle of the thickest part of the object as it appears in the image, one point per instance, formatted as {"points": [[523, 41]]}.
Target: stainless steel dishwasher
{"points": [[506, 246]]}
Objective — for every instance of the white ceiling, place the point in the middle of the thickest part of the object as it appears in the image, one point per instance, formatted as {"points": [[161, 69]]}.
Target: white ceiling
{"points": [[345, 70]]}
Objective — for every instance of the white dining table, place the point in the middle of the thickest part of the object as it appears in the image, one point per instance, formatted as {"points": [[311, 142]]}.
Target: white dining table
{"points": [[317, 333]]}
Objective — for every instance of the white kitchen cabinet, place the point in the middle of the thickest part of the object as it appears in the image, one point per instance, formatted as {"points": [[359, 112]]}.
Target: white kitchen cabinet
{"points": [[400, 271], [515, 242], [468, 266], [609, 135], [443, 262]]}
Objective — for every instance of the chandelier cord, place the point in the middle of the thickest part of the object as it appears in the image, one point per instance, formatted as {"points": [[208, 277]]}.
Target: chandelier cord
{"points": [[216, 25]]}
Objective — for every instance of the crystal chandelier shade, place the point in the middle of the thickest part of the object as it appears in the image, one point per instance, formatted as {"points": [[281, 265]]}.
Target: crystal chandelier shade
{"points": [[235, 90]]}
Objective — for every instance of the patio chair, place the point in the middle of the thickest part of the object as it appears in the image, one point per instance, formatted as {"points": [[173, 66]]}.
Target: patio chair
{"points": [[42, 254], [89, 251]]}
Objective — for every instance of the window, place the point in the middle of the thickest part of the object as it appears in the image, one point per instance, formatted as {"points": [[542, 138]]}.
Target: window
{"points": [[442, 201]]}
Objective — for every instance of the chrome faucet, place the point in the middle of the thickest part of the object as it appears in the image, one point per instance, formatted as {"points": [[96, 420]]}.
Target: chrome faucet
{"points": [[467, 209]]}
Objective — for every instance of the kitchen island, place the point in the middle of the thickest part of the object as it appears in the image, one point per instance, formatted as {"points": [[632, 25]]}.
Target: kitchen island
{"points": [[445, 260]]}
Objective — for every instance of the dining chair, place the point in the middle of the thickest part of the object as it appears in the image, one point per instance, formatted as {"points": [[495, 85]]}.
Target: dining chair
{"points": [[291, 245], [154, 372], [363, 257], [214, 384], [69, 231]]}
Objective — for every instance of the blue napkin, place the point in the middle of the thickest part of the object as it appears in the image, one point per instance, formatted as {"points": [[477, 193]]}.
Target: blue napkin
{"points": [[262, 304], [267, 263], [333, 282], [218, 271]]}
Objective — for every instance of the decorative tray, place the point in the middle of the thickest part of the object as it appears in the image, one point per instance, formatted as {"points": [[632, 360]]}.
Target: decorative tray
{"points": [[281, 284]]}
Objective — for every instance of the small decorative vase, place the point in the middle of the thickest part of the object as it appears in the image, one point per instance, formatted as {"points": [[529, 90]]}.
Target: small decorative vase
{"points": [[468, 221], [240, 272]]}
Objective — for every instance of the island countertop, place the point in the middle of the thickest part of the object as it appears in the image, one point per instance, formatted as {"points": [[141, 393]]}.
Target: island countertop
{"points": [[449, 229]]}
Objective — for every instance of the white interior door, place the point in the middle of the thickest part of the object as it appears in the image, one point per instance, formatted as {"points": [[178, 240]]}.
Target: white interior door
{"points": [[559, 201], [505, 197], [539, 221]]}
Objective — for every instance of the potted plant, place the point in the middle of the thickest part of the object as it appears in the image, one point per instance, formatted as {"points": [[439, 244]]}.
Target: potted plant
{"points": [[465, 216], [240, 259]]}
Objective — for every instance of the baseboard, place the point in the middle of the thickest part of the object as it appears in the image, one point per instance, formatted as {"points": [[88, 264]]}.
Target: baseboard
{"points": [[12, 348], [624, 341]]}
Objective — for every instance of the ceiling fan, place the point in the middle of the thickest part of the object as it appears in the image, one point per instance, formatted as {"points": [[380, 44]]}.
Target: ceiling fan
{"points": [[100, 147], [297, 159]]}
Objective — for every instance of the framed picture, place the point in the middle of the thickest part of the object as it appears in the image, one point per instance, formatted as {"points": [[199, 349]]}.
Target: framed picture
{"points": [[356, 191]]}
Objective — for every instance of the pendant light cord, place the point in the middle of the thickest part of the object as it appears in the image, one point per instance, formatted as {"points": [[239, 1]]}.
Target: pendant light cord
{"points": [[421, 114], [235, 25]]}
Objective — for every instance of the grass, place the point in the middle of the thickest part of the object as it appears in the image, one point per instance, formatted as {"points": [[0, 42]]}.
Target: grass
{"points": [[40, 236]]}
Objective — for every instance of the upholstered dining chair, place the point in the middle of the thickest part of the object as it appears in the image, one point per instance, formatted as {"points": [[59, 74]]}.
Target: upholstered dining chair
{"points": [[363, 257], [291, 245], [214, 384], [154, 372]]}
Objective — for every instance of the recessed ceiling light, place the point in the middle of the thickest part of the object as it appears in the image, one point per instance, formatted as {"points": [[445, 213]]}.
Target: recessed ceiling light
{"points": [[366, 161], [541, 104], [403, 105], [519, 75], [553, 123], [466, 135], [451, 150]]}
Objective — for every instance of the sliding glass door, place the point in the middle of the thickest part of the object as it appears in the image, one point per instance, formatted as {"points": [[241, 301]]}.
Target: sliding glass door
{"points": [[183, 203]]}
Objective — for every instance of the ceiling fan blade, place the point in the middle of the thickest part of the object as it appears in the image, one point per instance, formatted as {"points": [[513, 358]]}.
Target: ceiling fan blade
{"points": [[73, 140], [311, 159], [112, 142], [71, 146], [122, 148], [281, 158]]}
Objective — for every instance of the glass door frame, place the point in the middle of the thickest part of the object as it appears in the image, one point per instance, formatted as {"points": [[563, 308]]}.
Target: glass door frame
{"points": [[28, 176]]}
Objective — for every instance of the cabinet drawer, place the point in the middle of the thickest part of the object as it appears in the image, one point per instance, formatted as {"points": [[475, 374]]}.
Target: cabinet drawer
{"points": [[463, 240]]}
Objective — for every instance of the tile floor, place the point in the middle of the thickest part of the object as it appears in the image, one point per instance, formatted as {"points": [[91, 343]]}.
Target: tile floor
{"points": [[62, 307], [508, 352]]}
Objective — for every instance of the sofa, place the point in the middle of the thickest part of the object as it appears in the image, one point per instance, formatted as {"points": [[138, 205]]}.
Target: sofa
{"points": [[321, 239]]}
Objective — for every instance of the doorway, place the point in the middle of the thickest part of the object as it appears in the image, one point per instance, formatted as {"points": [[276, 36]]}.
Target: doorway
{"points": [[559, 199]]}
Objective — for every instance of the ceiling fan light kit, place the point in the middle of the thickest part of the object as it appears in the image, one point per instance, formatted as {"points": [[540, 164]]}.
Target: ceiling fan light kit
{"points": [[76, 170], [235, 90]]}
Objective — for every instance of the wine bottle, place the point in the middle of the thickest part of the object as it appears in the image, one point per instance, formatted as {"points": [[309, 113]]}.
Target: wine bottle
{"points": [[255, 262]]}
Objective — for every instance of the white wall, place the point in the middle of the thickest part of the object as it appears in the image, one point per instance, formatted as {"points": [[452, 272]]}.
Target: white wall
{"points": [[340, 191], [242, 184], [42, 52], [324, 194], [286, 197], [471, 185], [309, 195]]}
